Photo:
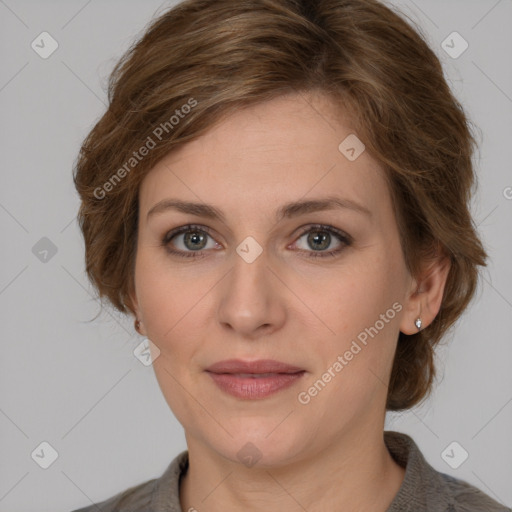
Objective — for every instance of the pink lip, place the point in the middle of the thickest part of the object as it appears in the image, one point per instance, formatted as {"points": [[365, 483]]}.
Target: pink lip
{"points": [[240, 378]]}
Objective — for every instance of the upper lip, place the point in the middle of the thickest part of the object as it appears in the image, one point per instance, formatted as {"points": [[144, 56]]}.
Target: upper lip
{"points": [[260, 366]]}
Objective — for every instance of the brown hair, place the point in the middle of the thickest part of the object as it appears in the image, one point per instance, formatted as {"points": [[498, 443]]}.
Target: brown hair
{"points": [[204, 59]]}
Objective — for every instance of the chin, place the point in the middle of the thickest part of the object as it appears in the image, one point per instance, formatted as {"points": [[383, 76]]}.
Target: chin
{"points": [[260, 444]]}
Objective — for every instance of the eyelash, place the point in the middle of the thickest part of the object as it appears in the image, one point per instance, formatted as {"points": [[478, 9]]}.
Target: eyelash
{"points": [[343, 237]]}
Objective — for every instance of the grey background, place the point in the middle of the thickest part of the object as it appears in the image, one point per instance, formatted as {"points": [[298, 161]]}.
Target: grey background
{"points": [[77, 384]]}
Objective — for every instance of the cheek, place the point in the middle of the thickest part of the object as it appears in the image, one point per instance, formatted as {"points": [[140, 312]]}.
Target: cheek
{"points": [[161, 297], [164, 302], [356, 300], [363, 309], [173, 310]]}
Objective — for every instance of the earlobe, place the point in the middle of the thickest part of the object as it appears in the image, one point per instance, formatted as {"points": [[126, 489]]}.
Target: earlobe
{"points": [[137, 324]]}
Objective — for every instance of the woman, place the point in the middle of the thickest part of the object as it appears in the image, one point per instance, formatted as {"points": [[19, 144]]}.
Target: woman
{"points": [[279, 194]]}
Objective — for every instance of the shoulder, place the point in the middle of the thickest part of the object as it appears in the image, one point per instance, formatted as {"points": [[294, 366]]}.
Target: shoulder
{"points": [[132, 499], [426, 489], [157, 494], [468, 498]]}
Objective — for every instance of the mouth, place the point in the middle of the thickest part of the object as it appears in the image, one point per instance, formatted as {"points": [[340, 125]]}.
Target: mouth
{"points": [[251, 380], [260, 367]]}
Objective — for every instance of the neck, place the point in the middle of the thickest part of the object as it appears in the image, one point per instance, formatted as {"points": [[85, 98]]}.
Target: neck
{"points": [[355, 473]]}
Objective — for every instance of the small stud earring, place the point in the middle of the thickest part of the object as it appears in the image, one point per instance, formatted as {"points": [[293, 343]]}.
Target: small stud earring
{"points": [[137, 326], [418, 323]]}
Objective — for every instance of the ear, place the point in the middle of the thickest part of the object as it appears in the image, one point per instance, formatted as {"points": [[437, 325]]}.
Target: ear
{"points": [[134, 303], [426, 294]]}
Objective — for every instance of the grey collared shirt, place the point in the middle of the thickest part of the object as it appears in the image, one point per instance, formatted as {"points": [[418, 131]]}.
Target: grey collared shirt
{"points": [[423, 489]]}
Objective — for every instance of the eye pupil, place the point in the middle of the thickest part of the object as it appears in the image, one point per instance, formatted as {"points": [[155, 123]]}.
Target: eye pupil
{"points": [[315, 238], [194, 237]]}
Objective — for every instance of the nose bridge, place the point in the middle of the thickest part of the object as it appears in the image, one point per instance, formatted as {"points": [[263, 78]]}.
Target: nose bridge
{"points": [[249, 297], [249, 276], [249, 261]]}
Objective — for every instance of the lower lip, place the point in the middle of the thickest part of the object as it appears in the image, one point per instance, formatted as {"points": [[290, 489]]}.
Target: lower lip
{"points": [[254, 388]]}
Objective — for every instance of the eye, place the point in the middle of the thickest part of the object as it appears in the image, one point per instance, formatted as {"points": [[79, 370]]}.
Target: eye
{"points": [[193, 241], [319, 237]]}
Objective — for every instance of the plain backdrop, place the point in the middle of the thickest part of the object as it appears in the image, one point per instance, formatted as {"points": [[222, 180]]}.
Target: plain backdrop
{"points": [[73, 389]]}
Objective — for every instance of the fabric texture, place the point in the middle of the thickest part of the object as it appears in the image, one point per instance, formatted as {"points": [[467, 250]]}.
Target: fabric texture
{"points": [[423, 489]]}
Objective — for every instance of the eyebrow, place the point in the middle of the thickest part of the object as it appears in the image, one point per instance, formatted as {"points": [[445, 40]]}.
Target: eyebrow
{"points": [[287, 211]]}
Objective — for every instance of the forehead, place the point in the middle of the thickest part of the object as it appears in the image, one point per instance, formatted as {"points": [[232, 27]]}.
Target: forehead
{"points": [[269, 154]]}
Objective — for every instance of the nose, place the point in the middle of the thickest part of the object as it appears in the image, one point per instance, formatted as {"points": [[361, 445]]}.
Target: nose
{"points": [[252, 299]]}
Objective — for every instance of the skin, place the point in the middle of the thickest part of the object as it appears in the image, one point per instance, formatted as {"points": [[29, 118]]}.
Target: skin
{"points": [[328, 454]]}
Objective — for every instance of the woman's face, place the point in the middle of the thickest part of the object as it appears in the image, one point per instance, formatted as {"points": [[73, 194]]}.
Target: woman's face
{"points": [[263, 286]]}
